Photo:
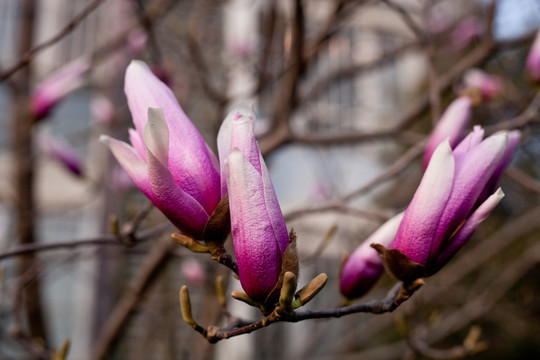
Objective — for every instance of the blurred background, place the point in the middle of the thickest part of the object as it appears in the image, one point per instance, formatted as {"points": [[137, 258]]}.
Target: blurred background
{"points": [[345, 92]]}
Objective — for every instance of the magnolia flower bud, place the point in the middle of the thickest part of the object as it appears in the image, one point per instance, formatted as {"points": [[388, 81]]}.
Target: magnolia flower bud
{"points": [[258, 229], [168, 159], [451, 125], [101, 109], [533, 60], [364, 267], [57, 86], [489, 86], [444, 211], [465, 32], [61, 151]]}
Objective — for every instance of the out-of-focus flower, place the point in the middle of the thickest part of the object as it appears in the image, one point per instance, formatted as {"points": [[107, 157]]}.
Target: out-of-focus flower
{"points": [[120, 180], [533, 59], [168, 160], [193, 271], [442, 214], [465, 32], [57, 86], [321, 191], [136, 40], [101, 109], [364, 267], [437, 22], [258, 229], [242, 48], [61, 151], [451, 125], [490, 86]]}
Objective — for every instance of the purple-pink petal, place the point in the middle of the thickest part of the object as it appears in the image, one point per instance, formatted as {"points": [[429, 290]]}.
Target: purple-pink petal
{"points": [[419, 225], [451, 125], [364, 267], [257, 250], [273, 209], [533, 59], [178, 206], [132, 163], [189, 160], [471, 175], [57, 86], [467, 229]]}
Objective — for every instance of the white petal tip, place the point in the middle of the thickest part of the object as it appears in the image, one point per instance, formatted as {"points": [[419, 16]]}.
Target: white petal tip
{"points": [[105, 139]]}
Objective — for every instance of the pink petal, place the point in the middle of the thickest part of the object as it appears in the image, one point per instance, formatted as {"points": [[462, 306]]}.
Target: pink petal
{"points": [[273, 209], [419, 225], [468, 228], [189, 160], [178, 206], [471, 176], [364, 267], [132, 163], [156, 135], [451, 125], [257, 250]]}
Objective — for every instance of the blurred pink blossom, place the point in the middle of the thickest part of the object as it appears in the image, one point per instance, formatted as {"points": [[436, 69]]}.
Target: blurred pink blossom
{"points": [[533, 60], [120, 180], [490, 86], [193, 271], [465, 32], [62, 152], [57, 86], [136, 40], [101, 109]]}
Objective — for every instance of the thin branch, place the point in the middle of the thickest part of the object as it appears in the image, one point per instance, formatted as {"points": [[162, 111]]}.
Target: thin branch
{"points": [[29, 55], [151, 268], [396, 296], [101, 240], [391, 171], [340, 208], [523, 179]]}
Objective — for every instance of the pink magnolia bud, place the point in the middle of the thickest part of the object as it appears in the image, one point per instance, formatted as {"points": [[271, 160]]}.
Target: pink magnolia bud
{"points": [[258, 229], [120, 180], [533, 60], [447, 197], [101, 109], [465, 32], [168, 159], [364, 267], [451, 125], [490, 86], [136, 40], [193, 271], [62, 152], [57, 86]]}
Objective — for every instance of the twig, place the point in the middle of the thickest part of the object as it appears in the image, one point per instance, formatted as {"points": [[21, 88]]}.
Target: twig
{"points": [[29, 55], [340, 208], [102, 240], [395, 297], [523, 179], [153, 264], [391, 171]]}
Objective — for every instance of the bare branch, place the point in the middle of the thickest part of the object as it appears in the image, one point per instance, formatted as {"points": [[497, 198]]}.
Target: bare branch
{"points": [[29, 55]]}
